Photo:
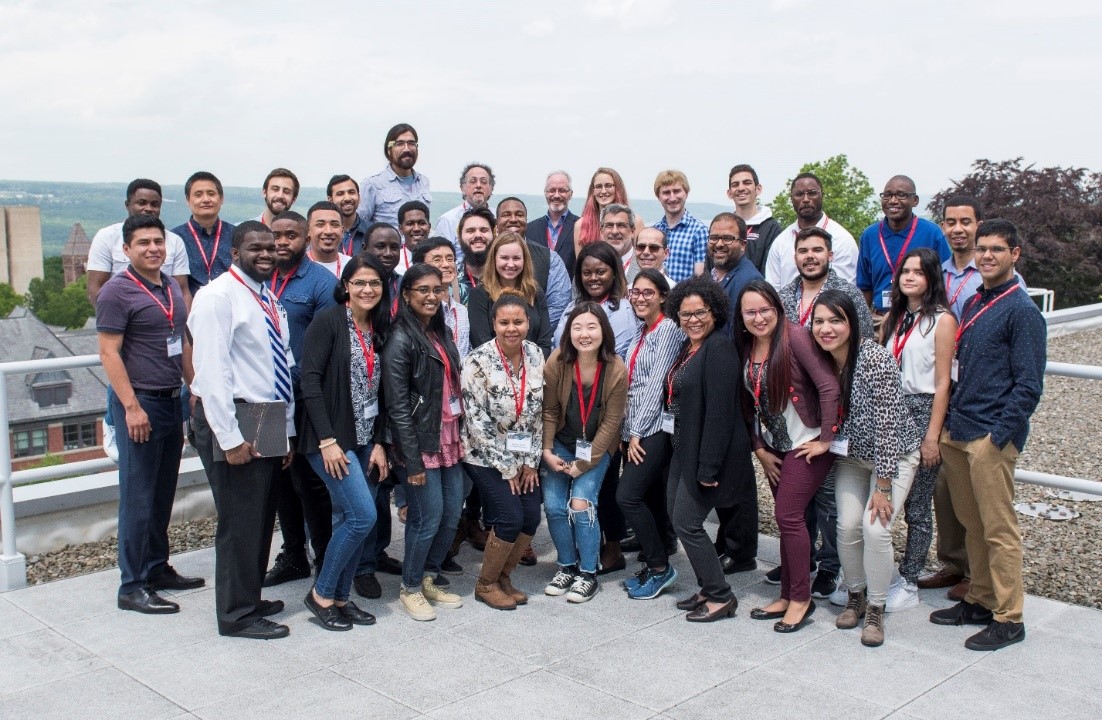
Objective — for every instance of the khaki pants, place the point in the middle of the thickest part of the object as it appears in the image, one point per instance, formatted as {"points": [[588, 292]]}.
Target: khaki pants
{"points": [[951, 552], [981, 483]]}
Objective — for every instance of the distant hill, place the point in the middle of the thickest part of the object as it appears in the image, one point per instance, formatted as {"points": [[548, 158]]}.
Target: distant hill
{"points": [[96, 205]]}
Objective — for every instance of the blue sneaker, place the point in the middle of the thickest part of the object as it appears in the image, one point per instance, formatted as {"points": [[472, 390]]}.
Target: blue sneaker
{"points": [[654, 584], [637, 579]]}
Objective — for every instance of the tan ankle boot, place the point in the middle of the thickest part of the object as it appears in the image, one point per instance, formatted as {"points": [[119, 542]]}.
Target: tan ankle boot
{"points": [[872, 634], [523, 543], [487, 589], [855, 610]]}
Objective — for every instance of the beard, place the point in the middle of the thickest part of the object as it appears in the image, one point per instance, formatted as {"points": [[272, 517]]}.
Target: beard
{"points": [[474, 257], [295, 259], [822, 273]]}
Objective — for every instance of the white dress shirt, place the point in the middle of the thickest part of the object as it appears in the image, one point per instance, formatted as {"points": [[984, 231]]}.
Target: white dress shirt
{"points": [[780, 267], [232, 354], [106, 253]]}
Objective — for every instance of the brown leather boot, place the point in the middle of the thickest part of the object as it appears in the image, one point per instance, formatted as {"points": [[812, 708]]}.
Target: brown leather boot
{"points": [[460, 535], [487, 589], [519, 547]]}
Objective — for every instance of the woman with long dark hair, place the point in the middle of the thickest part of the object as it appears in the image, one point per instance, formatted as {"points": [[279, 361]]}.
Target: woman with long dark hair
{"points": [[792, 409], [920, 331], [509, 270], [424, 402], [877, 449], [343, 433]]}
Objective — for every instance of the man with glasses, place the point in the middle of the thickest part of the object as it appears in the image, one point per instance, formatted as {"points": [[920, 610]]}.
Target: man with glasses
{"points": [[384, 192], [650, 253], [617, 226], [885, 243], [476, 185], [555, 230], [806, 193]]}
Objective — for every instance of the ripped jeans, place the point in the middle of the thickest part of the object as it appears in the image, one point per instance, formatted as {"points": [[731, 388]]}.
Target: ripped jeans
{"points": [[576, 533]]}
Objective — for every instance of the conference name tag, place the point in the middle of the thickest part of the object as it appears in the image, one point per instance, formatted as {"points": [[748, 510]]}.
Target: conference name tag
{"points": [[371, 409], [886, 300], [583, 451], [175, 345], [667, 422], [954, 371], [840, 446], [455, 406], [518, 442]]}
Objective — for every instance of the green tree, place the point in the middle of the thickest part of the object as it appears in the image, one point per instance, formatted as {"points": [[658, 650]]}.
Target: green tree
{"points": [[69, 308], [9, 298], [848, 197]]}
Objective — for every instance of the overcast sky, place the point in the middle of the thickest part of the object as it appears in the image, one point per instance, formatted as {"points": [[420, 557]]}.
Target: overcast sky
{"points": [[112, 90]]}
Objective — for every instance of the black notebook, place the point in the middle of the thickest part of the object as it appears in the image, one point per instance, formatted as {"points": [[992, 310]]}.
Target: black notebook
{"points": [[264, 425]]}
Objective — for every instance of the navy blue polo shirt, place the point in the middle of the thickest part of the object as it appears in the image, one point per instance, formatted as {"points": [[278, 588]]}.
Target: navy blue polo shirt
{"points": [[208, 254], [308, 291], [733, 283], [875, 270], [130, 305]]}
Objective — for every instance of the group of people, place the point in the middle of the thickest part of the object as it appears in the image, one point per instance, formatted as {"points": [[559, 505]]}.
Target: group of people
{"points": [[620, 376]]}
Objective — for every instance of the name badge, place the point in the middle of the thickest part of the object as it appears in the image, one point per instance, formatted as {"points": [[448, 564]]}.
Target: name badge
{"points": [[954, 371], [455, 406], [518, 442], [371, 409], [886, 300], [583, 451], [667, 422], [175, 345], [840, 446]]}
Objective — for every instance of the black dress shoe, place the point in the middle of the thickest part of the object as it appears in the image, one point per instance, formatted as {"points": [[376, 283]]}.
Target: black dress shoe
{"points": [[620, 563], [261, 629], [286, 569], [783, 627], [367, 585], [356, 615], [269, 607], [389, 565], [759, 614], [169, 579], [146, 601], [692, 602], [730, 565], [331, 618], [703, 614]]}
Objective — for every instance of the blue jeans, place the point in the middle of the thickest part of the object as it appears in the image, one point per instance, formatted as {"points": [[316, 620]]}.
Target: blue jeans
{"points": [[148, 473], [353, 517], [576, 533], [432, 515]]}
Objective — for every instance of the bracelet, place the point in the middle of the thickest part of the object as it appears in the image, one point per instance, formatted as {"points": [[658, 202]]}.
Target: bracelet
{"points": [[327, 443], [883, 490]]}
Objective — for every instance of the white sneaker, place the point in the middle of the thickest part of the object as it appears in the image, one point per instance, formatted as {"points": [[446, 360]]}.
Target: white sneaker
{"points": [[902, 596], [110, 446], [840, 596]]}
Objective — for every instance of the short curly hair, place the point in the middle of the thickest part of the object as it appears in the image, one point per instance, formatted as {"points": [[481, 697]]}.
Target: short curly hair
{"points": [[707, 290]]}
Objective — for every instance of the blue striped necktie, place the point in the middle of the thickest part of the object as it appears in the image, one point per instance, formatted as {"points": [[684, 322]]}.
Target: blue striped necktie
{"points": [[279, 355]]}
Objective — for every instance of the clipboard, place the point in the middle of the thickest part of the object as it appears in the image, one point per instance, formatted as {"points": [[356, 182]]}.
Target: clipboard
{"points": [[262, 424]]}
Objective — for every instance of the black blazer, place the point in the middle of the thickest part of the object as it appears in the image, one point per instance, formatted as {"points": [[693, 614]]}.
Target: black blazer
{"points": [[541, 263], [327, 384], [713, 444], [536, 233], [482, 330]]}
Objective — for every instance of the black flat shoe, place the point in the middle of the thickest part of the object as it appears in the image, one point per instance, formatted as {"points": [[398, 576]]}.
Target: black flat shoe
{"points": [[692, 602], [261, 629], [330, 617], [356, 615], [619, 564], [783, 627], [703, 614], [269, 607], [759, 614]]}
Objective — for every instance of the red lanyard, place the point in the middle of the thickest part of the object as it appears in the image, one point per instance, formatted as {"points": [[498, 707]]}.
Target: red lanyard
{"points": [[394, 291], [551, 239], [639, 346], [455, 323], [583, 409], [900, 341], [757, 380], [269, 307], [470, 278], [277, 288], [974, 318], [405, 256], [628, 263], [804, 316], [444, 358], [903, 250], [209, 263], [168, 311], [368, 348], [310, 254], [517, 399], [963, 282], [673, 373]]}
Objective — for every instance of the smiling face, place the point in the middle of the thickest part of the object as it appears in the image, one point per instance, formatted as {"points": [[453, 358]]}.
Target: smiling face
{"points": [[617, 231], [829, 329], [204, 201], [346, 196], [646, 301], [813, 258], [743, 191], [279, 194], [403, 151], [476, 187], [807, 199], [443, 259], [365, 289], [960, 226], [290, 242], [758, 315], [512, 215], [650, 250], [673, 198], [898, 201], [585, 333], [475, 240], [256, 256], [146, 251], [510, 327], [509, 263], [995, 260], [597, 278], [725, 245], [144, 202], [325, 230], [604, 189], [415, 227], [424, 297], [912, 281], [385, 246], [557, 193], [697, 321]]}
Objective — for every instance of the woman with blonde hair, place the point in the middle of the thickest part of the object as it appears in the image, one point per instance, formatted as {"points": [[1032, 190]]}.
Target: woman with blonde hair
{"points": [[509, 269]]}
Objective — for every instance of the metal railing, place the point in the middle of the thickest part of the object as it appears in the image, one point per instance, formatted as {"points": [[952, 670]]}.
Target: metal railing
{"points": [[13, 565]]}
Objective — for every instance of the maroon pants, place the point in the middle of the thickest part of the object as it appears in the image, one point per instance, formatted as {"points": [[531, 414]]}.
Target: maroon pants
{"points": [[799, 482]]}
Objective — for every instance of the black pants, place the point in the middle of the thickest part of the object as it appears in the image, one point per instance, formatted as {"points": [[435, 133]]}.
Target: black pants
{"points": [[508, 514], [688, 514], [637, 486], [303, 502], [246, 519], [613, 524], [737, 537]]}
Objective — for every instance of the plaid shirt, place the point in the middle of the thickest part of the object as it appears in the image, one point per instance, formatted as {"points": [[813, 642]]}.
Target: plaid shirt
{"points": [[687, 242]]}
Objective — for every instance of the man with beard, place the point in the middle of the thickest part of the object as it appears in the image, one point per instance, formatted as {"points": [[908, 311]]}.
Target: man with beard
{"points": [[476, 184], [686, 237], [617, 227], [206, 236], [344, 192], [304, 288], [727, 256], [813, 261], [806, 193], [761, 227], [550, 272], [476, 231], [242, 352], [555, 230], [384, 192], [279, 192], [324, 231]]}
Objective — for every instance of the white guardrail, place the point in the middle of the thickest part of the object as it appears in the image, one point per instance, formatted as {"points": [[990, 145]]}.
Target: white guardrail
{"points": [[13, 565]]}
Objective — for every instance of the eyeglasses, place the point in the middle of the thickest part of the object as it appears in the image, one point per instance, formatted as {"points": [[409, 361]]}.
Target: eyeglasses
{"points": [[899, 195], [605, 186], [448, 260], [358, 285], [764, 313], [694, 315], [477, 181], [411, 144], [995, 250], [644, 247], [645, 293], [724, 239], [425, 290], [812, 194]]}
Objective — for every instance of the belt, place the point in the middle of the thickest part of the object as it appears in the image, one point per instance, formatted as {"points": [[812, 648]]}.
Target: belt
{"points": [[173, 393]]}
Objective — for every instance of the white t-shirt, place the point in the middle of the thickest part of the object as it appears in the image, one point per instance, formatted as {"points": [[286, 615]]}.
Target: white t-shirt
{"points": [[337, 266], [106, 253], [780, 267]]}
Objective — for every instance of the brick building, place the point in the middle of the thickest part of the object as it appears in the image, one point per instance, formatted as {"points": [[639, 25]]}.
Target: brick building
{"points": [[74, 256]]}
